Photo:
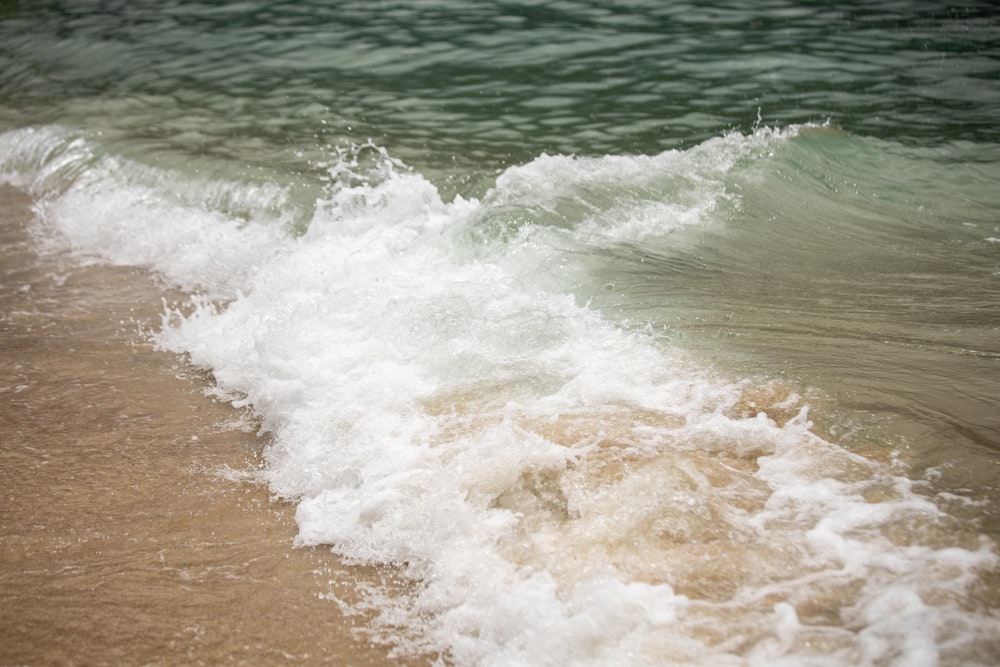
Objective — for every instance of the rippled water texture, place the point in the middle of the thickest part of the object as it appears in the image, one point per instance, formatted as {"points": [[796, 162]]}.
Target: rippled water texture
{"points": [[498, 81]]}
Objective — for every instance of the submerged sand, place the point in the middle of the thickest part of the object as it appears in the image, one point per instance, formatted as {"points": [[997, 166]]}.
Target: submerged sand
{"points": [[122, 541]]}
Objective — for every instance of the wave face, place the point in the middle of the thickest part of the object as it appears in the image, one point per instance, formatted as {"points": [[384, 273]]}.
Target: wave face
{"points": [[539, 402]]}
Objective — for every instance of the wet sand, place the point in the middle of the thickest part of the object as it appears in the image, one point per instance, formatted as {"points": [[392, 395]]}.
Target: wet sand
{"points": [[121, 541]]}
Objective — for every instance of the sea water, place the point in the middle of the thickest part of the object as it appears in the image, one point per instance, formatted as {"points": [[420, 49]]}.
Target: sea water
{"points": [[632, 333]]}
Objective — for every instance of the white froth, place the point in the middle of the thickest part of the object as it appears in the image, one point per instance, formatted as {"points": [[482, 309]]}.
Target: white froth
{"points": [[102, 207], [560, 491]]}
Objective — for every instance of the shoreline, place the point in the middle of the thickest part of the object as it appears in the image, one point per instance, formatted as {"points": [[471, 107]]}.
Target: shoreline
{"points": [[121, 540]]}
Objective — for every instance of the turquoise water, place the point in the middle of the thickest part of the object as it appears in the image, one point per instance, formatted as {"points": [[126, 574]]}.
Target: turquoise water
{"points": [[671, 328], [495, 83]]}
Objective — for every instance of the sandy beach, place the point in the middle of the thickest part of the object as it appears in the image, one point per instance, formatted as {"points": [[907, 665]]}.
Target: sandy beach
{"points": [[122, 538]]}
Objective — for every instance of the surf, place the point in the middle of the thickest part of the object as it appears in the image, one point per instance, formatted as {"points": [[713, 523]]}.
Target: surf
{"points": [[465, 389]]}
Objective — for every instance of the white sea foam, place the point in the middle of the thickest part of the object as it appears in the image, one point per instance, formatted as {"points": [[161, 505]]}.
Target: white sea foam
{"points": [[559, 490], [208, 236]]}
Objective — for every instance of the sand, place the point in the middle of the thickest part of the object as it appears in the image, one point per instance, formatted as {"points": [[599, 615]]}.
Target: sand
{"points": [[122, 541]]}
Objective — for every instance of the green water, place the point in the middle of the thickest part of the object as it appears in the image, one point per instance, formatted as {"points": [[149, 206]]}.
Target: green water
{"points": [[495, 83], [836, 269]]}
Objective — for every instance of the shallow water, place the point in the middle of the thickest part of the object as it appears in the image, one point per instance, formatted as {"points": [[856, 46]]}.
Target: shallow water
{"points": [[669, 330], [133, 531]]}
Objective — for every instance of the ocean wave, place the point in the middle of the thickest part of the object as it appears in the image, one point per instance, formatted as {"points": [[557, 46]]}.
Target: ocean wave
{"points": [[442, 393]]}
